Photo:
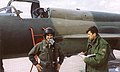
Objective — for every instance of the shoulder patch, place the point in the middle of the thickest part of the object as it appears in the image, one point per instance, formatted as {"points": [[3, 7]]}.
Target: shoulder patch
{"points": [[103, 51]]}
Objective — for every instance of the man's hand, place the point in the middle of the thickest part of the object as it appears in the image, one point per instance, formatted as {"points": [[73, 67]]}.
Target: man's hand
{"points": [[38, 67], [82, 55], [58, 66]]}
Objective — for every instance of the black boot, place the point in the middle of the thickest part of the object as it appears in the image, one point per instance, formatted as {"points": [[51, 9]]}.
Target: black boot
{"points": [[2, 69], [1, 66]]}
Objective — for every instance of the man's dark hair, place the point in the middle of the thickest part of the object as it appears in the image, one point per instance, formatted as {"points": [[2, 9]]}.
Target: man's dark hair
{"points": [[93, 29]]}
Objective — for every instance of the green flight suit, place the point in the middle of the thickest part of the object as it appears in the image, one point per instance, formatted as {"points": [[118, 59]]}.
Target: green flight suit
{"points": [[98, 62], [47, 55]]}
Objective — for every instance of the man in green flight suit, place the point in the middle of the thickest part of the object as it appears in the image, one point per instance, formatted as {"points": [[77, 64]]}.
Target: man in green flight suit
{"points": [[49, 53], [98, 51]]}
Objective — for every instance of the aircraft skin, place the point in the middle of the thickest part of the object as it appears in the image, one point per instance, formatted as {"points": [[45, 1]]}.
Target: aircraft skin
{"points": [[70, 27]]}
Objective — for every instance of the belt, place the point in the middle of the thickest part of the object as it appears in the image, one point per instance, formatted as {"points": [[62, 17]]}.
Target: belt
{"points": [[48, 64]]}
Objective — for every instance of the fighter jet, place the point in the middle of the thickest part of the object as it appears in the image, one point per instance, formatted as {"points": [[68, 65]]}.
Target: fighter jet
{"points": [[16, 33]]}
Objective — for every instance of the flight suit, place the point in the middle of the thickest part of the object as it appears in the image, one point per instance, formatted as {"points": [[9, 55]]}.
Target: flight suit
{"points": [[98, 62], [48, 56]]}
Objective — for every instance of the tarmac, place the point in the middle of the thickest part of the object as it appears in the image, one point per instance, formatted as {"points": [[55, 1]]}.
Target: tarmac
{"points": [[70, 64]]}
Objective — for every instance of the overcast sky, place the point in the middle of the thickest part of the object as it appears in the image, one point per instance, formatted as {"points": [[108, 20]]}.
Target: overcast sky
{"points": [[112, 6]]}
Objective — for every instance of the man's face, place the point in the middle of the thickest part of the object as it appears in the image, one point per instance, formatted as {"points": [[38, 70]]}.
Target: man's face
{"points": [[91, 36], [49, 36]]}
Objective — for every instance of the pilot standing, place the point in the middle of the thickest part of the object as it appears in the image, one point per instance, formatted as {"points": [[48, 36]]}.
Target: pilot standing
{"points": [[49, 53], [99, 49]]}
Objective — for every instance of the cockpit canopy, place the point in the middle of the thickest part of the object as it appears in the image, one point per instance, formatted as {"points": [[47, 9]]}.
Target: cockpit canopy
{"points": [[11, 10]]}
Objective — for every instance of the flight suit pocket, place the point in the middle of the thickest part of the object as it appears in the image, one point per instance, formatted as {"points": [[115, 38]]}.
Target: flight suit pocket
{"points": [[43, 56]]}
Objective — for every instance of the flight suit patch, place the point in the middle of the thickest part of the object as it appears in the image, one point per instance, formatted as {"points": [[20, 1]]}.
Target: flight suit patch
{"points": [[103, 51]]}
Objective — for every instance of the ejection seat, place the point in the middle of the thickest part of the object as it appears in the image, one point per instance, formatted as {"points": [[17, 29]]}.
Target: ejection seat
{"points": [[40, 13]]}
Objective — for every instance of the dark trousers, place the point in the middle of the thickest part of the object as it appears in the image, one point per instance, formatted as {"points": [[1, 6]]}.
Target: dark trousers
{"points": [[1, 63], [49, 69], [1, 66]]}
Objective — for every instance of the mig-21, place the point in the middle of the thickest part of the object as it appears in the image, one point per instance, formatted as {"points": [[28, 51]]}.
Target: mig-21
{"points": [[70, 27]]}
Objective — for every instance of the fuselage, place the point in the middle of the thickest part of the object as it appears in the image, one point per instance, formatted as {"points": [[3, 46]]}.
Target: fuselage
{"points": [[16, 37]]}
